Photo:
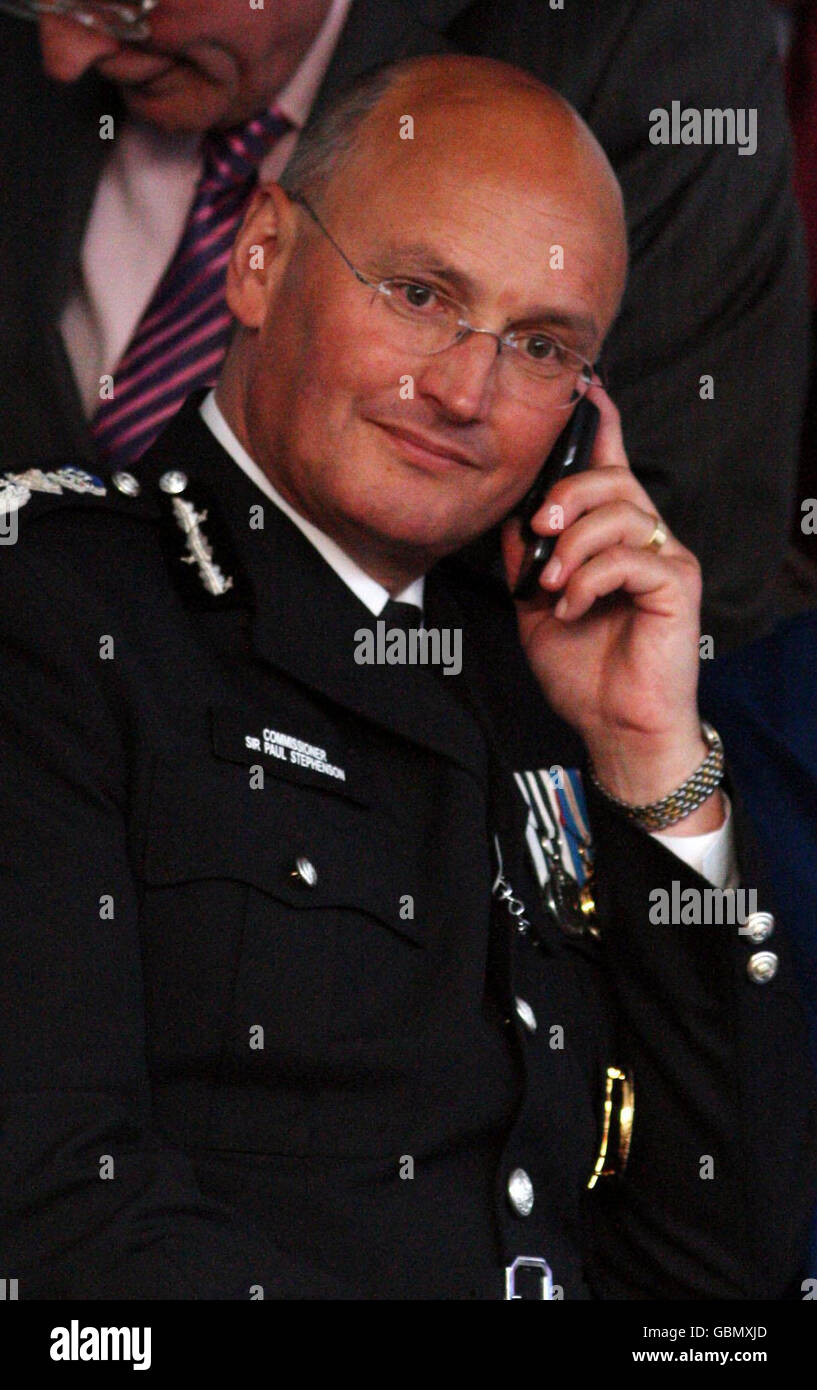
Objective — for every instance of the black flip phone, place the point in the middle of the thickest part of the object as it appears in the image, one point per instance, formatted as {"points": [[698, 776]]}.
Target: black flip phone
{"points": [[570, 454]]}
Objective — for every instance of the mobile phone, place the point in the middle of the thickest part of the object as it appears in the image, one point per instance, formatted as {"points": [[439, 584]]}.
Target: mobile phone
{"points": [[570, 454]]}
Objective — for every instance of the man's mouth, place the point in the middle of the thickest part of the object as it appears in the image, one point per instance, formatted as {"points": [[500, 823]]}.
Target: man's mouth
{"points": [[426, 450], [135, 69]]}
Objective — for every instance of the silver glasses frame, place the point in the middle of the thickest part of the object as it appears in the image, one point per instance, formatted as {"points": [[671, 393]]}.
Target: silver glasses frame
{"points": [[127, 22], [584, 372]]}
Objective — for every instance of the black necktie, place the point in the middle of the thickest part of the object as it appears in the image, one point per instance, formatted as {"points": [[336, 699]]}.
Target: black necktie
{"points": [[404, 615]]}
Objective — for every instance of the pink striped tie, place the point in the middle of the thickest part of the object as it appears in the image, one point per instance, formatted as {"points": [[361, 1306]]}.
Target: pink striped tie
{"points": [[181, 341]]}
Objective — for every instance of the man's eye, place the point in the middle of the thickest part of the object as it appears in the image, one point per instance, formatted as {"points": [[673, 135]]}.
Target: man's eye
{"points": [[413, 295], [540, 348]]}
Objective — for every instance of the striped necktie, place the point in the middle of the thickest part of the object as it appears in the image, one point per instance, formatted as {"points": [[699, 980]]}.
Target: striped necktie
{"points": [[182, 338]]}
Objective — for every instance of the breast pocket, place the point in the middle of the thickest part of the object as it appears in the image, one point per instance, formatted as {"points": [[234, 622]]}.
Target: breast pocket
{"points": [[284, 924]]}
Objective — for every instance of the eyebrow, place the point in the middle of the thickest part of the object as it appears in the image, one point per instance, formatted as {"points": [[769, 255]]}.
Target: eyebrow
{"points": [[427, 259]]}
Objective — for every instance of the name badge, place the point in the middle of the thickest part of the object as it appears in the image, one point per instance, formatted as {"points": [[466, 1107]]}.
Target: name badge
{"points": [[281, 745]]}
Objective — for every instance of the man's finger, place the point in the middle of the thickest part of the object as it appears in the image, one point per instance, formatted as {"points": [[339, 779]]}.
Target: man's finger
{"points": [[617, 523], [608, 450], [636, 572], [572, 497]]}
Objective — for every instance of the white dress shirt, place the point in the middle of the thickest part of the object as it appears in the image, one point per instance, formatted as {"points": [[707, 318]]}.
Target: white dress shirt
{"points": [[370, 593], [712, 855], [140, 210]]}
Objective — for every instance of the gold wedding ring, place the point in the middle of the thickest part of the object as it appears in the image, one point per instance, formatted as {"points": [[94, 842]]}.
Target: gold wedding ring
{"points": [[657, 539]]}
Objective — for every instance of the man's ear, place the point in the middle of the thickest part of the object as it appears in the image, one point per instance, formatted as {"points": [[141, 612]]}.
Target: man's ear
{"points": [[257, 258]]}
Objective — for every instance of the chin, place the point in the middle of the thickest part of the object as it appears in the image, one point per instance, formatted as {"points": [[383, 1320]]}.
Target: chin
{"points": [[417, 536], [171, 112]]}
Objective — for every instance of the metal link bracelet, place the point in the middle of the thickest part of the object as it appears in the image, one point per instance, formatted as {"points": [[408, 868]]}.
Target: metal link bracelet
{"points": [[678, 804]]}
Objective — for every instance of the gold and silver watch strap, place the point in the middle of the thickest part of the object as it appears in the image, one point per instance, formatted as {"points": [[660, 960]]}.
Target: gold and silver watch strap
{"points": [[681, 802]]}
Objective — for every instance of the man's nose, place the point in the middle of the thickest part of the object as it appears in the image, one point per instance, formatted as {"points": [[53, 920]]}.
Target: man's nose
{"points": [[68, 49], [462, 378]]}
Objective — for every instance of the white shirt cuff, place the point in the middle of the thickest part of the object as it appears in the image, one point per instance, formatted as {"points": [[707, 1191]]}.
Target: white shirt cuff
{"points": [[712, 855]]}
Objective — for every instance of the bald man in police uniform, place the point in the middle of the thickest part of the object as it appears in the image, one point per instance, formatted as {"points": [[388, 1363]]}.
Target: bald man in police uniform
{"points": [[328, 973]]}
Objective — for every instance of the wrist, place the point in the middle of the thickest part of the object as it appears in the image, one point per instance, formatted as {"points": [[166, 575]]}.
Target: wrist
{"points": [[684, 799], [642, 769]]}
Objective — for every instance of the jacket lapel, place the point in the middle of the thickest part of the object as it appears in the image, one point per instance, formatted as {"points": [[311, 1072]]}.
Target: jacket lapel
{"points": [[304, 619]]}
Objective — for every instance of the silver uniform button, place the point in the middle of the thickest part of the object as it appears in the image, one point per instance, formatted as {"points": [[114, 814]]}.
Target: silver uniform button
{"points": [[174, 481], [520, 1192], [758, 926], [305, 871], [125, 482], [526, 1014], [762, 967]]}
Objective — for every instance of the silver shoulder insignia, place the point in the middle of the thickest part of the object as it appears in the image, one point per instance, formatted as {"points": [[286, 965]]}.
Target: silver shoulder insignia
{"points": [[36, 480], [201, 553], [12, 495], [77, 480], [16, 488]]}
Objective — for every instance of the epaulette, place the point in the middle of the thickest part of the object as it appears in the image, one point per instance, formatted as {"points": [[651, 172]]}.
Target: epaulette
{"points": [[160, 495], [37, 491]]}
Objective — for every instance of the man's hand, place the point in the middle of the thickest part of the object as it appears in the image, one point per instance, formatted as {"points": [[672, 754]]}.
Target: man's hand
{"points": [[616, 653]]}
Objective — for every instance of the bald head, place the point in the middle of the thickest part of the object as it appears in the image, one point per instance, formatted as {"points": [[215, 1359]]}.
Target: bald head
{"points": [[447, 119], [441, 192]]}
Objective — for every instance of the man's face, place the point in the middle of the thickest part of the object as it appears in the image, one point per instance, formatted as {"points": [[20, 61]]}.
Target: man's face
{"points": [[396, 453], [208, 63]]}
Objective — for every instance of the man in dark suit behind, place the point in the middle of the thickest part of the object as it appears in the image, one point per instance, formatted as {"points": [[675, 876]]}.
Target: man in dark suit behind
{"points": [[708, 356], [284, 1010]]}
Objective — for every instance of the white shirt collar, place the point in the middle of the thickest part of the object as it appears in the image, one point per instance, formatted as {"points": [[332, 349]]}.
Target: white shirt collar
{"points": [[370, 593]]}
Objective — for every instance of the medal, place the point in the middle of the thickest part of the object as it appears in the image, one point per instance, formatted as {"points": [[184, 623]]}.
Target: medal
{"points": [[562, 857], [569, 905]]}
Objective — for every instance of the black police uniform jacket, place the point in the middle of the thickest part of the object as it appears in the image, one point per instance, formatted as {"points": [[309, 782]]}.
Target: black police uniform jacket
{"points": [[223, 1078]]}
